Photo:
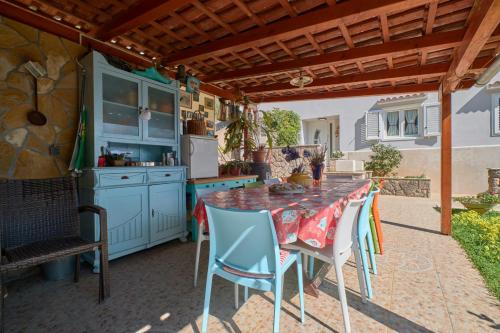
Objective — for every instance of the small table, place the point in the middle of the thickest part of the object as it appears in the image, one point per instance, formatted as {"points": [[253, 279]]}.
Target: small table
{"points": [[215, 182]]}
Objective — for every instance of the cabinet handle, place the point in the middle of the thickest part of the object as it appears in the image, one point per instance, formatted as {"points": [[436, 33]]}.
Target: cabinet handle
{"points": [[124, 177], [167, 175], [152, 212]]}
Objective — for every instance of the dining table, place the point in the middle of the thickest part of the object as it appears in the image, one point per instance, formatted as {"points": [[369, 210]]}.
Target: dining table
{"points": [[311, 216]]}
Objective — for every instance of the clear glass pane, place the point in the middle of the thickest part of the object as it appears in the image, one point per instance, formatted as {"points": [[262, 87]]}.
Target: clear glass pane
{"points": [[392, 124], [162, 106], [120, 106]]}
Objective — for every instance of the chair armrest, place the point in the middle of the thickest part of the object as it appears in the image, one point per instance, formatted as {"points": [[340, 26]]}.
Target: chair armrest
{"points": [[103, 219]]}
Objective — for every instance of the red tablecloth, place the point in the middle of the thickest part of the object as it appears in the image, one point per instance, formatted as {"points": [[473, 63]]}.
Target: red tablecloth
{"points": [[310, 216]]}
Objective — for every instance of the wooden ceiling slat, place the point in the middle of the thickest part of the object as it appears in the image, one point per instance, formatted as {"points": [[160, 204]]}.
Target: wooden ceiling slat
{"points": [[408, 72], [431, 16], [316, 20], [440, 40], [483, 21]]}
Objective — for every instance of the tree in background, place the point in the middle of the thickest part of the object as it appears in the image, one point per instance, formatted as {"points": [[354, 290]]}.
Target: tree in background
{"points": [[286, 124]]}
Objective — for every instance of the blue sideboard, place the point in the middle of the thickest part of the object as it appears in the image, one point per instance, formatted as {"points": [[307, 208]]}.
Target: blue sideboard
{"points": [[146, 206]]}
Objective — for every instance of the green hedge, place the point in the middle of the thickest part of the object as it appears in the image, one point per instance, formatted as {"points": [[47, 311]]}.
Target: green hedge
{"points": [[480, 238]]}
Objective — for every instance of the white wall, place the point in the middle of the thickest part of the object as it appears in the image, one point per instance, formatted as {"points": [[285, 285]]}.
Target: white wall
{"points": [[471, 118]]}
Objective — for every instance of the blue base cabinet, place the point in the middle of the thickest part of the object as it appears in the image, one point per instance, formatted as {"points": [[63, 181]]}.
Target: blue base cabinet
{"points": [[143, 208]]}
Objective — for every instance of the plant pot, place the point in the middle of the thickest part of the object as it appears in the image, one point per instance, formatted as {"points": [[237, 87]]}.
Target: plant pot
{"points": [[259, 156], [235, 171], [317, 171], [222, 170], [480, 208], [300, 178]]}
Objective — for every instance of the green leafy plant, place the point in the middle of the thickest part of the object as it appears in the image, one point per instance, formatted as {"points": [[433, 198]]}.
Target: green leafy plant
{"points": [[286, 125], [479, 236], [481, 198], [384, 160], [269, 132], [234, 135], [299, 169], [318, 156], [337, 155]]}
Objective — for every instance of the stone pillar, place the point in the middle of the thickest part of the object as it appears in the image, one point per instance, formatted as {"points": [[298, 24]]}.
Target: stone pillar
{"points": [[494, 181]]}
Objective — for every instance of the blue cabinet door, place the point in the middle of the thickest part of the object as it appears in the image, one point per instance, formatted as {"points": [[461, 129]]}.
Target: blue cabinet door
{"points": [[166, 210], [128, 222]]}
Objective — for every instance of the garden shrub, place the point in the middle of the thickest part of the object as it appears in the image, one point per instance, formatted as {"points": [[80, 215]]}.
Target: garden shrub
{"points": [[384, 161], [480, 238]]}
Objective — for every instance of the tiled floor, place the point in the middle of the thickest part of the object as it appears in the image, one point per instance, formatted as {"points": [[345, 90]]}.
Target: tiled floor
{"points": [[425, 284]]}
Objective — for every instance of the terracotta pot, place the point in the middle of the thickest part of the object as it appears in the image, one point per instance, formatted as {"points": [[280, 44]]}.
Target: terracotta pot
{"points": [[222, 170], [235, 171], [259, 156]]}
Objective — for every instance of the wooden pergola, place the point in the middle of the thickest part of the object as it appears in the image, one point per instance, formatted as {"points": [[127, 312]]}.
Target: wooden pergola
{"points": [[255, 47]]}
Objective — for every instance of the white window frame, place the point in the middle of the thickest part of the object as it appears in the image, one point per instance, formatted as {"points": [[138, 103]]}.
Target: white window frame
{"points": [[401, 136], [495, 114]]}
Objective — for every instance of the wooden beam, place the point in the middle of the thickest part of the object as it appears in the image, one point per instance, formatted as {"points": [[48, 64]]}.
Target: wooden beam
{"points": [[431, 17], [411, 88], [139, 13], [446, 163], [314, 21], [483, 20], [441, 40], [383, 75], [62, 30]]}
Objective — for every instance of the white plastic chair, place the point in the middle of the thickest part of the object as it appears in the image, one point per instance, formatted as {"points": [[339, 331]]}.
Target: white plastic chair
{"points": [[337, 254]]}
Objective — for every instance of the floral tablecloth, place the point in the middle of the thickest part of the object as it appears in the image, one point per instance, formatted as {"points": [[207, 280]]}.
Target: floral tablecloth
{"points": [[311, 216]]}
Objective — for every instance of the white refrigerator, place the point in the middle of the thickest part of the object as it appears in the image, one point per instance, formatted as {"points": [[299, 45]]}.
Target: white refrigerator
{"points": [[199, 154]]}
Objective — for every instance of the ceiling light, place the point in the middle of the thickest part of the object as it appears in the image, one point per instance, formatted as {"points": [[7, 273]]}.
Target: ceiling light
{"points": [[141, 53], [78, 26], [154, 58], [57, 18], [128, 47], [301, 81], [33, 8], [113, 41]]}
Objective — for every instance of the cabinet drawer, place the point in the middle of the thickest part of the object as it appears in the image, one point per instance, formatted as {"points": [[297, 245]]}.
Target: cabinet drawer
{"points": [[165, 176], [119, 179]]}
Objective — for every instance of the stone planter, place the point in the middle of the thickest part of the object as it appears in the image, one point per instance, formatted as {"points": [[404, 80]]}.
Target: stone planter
{"points": [[480, 208], [408, 187]]}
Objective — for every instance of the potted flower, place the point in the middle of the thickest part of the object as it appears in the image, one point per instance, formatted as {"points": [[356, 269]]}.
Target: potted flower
{"points": [[317, 162], [481, 203]]}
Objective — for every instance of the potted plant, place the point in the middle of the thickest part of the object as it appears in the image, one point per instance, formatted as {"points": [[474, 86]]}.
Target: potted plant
{"points": [[481, 203], [384, 161], [317, 162], [261, 154], [234, 137], [337, 155], [300, 176]]}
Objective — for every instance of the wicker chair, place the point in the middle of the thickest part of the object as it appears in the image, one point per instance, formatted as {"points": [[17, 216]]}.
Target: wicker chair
{"points": [[39, 222]]}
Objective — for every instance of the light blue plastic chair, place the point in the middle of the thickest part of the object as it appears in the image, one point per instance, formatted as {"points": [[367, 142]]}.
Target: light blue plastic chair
{"points": [[365, 235], [244, 249]]}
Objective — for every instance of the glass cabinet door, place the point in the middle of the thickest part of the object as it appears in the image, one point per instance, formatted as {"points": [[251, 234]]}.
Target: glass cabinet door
{"points": [[120, 106], [162, 104]]}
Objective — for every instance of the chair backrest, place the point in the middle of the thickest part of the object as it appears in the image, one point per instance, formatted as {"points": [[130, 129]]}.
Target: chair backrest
{"points": [[38, 210], [364, 214], [346, 226], [243, 240], [272, 181], [203, 191]]}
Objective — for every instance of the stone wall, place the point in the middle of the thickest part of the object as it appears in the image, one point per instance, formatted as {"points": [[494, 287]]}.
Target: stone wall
{"points": [[494, 181], [24, 148], [281, 168], [408, 187]]}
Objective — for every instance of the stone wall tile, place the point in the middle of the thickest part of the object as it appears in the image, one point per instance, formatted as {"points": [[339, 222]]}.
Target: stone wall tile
{"points": [[10, 38], [16, 137], [8, 153], [24, 30], [32, 165], [15, 117]]}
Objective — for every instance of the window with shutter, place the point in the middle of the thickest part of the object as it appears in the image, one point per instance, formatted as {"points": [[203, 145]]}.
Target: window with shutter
{"points": [[432, 120], [372, 122], [495, 115]]}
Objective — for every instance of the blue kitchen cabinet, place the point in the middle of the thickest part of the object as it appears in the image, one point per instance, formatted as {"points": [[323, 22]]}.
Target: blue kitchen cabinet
{"points": [[166, 208], [128, 220]]}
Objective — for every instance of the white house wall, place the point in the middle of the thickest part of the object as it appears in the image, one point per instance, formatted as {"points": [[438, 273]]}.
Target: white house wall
{"points": [[475, 148]]}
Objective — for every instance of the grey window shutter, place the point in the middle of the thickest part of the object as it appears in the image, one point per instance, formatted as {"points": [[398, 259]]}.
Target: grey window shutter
{"points": [[432, 119], [495, 122], [372, 122]]}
